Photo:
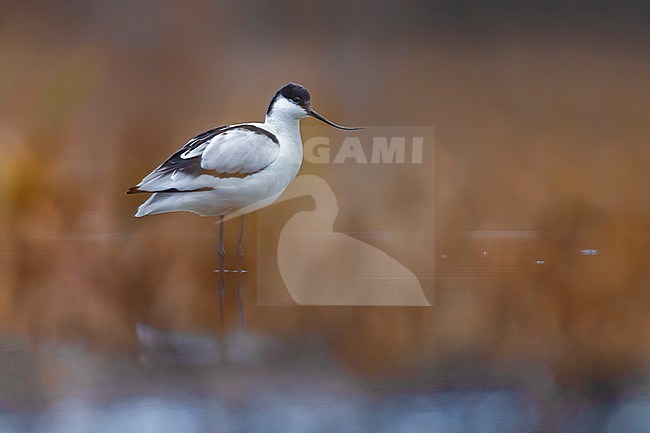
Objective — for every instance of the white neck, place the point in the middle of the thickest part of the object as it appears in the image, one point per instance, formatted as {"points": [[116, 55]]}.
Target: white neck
{"points": [[287, 128], [283, 124], [284, 117]]}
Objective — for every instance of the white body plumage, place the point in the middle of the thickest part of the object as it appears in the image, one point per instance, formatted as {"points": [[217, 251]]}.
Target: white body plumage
{"points": [[235, 169]]}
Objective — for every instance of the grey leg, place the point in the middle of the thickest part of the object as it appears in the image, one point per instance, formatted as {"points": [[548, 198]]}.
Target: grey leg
{"points": [[240, 271], [221, 258]]}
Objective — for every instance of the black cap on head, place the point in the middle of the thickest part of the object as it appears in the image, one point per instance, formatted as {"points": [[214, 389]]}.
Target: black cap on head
{"points": [[296, 93], [301, 97], [293, 92]]}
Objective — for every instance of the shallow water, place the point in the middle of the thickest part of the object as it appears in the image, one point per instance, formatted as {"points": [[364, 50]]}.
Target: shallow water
{"points": [[246, 382]]}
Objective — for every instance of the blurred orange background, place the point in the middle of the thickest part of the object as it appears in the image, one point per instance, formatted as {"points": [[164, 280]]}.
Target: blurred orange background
{"points": [[541, 120]]}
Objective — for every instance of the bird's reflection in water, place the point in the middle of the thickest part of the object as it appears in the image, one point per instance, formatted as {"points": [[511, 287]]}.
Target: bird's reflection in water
{"points": [[239, 286]]}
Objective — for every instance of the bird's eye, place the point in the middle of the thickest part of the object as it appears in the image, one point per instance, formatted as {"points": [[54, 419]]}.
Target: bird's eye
{"points": [[296, 99]]}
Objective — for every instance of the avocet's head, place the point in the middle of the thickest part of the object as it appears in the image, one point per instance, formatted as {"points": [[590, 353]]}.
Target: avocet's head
{"points": [[294, 101]]}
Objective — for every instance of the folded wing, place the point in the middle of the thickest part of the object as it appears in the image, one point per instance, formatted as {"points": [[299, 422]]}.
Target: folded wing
{"points": [[224, 152]]}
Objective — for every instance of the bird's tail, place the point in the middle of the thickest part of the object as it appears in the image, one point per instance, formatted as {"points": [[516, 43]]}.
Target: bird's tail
{"points": [[149, 207]]}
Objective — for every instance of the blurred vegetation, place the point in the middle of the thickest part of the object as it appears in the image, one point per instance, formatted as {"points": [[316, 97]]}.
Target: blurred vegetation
{"points": [[541, 120]]}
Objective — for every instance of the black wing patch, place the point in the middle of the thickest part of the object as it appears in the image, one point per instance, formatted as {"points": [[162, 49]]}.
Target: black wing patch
{"points": [[177, 163], [135, 190]]}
